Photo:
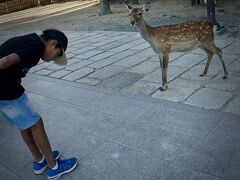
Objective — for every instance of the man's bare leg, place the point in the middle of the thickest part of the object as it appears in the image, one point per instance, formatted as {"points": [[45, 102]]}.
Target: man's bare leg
{"points": [[28, 139], [41, 140]]}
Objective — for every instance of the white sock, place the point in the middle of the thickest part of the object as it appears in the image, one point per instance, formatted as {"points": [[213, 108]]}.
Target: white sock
{"points": [[55, 167], [42, 160]]}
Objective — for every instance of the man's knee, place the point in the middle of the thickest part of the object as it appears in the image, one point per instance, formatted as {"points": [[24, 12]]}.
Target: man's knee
{"points": [[38, 125]]}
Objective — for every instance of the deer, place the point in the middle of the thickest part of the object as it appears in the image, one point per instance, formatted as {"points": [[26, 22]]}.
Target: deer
{"points": [[181, 37]]}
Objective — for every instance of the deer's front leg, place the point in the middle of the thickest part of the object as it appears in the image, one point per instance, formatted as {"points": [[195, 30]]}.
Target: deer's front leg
{"points": [[160, 60], [164, 71]]}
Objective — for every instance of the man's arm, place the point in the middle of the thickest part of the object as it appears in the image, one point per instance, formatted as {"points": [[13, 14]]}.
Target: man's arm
{"points": [[9, 61]]}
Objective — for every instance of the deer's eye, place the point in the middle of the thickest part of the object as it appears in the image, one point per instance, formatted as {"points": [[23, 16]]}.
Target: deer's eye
{"points": [[139, 14]]}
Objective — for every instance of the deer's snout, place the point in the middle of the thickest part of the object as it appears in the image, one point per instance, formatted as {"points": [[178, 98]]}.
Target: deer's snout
{"points": [[132, 22]]}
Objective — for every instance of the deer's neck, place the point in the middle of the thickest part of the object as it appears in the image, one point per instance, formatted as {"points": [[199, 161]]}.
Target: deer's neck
{"points": [[145, 30]]}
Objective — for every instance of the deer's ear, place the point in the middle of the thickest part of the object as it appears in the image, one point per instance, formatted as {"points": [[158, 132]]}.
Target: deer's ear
{"points": [[128, 7], [146, 7]]}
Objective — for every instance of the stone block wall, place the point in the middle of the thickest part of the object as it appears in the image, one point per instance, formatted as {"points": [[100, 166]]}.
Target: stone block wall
{"points": [[16, 5]]}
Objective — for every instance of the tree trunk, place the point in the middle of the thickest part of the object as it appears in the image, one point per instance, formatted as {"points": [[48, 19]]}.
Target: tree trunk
{"points": [[104, 7], [134, 2]]}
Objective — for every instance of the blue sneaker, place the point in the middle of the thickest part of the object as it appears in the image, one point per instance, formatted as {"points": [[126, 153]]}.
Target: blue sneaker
{"points": [[64, 166], [39, 168]]}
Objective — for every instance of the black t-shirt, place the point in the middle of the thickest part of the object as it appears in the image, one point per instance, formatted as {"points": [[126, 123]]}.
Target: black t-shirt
{"points": [[29, 48]]}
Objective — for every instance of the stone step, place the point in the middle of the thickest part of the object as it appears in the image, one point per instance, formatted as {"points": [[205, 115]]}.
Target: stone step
{"points": [[42, 12]]}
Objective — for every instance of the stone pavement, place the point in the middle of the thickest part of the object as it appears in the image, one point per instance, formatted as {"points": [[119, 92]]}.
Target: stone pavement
{"points": [[123, 61], [119, 136], [106, 109]]}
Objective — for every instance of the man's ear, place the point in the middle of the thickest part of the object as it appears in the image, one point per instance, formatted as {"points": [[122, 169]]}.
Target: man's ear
{"points": [[53, 42], [146, 7]]}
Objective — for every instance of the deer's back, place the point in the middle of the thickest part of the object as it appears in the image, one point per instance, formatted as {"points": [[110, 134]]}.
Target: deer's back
{"points": [[179, 37], [197, 30]]}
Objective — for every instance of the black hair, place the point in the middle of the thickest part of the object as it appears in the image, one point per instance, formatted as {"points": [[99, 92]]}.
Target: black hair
{"points": [[45, 36]]}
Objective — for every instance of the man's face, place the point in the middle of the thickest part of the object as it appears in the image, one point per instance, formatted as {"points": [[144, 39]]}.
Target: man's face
{"points": [[52, 50]]}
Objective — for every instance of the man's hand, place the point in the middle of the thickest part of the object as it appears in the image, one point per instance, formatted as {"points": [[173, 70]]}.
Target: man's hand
{"points": [[9, 61]]}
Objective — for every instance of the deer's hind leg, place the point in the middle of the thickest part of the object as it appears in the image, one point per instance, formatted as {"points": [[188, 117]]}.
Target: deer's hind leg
{"points": [[219, 53], [210, 55], [211, 49]]}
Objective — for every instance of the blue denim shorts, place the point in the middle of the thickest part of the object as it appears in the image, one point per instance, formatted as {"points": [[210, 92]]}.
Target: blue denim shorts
{"points": [[19, 112]]}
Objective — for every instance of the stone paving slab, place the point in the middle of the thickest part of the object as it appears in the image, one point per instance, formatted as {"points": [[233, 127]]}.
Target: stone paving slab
{"points": [[73, 76], [142, 88], [214, 159], [41, 88], [186, 123], [188, 60], [103, 63], [60, 74], [186, 173], [92, 61], [178, 90], [129, 107], [121, 130], [145, 67], [79, 97], [7, 155], [232, 84], [209, 98], [172, 147], [7, 174], [223, 41], [119, 135], [121, 80], [234, 105], [128, 163], [42, 104], [233, 48], [156, 76], [235, 173], [94, 57], [195, 72], [225, 133], [79, 173], [228, 59], [107, 72], [78, 65], [89, 81], [131, 61], [235, 66]]}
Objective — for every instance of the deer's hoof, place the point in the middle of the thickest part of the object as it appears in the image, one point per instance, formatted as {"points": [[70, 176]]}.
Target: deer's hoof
{"points": [[162, 89], [201, 75], [225, 77]]}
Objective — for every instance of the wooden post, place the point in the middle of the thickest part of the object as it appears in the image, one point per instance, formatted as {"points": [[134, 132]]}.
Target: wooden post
{"points": [[211, 11], [105, 7], [193, 2]]}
